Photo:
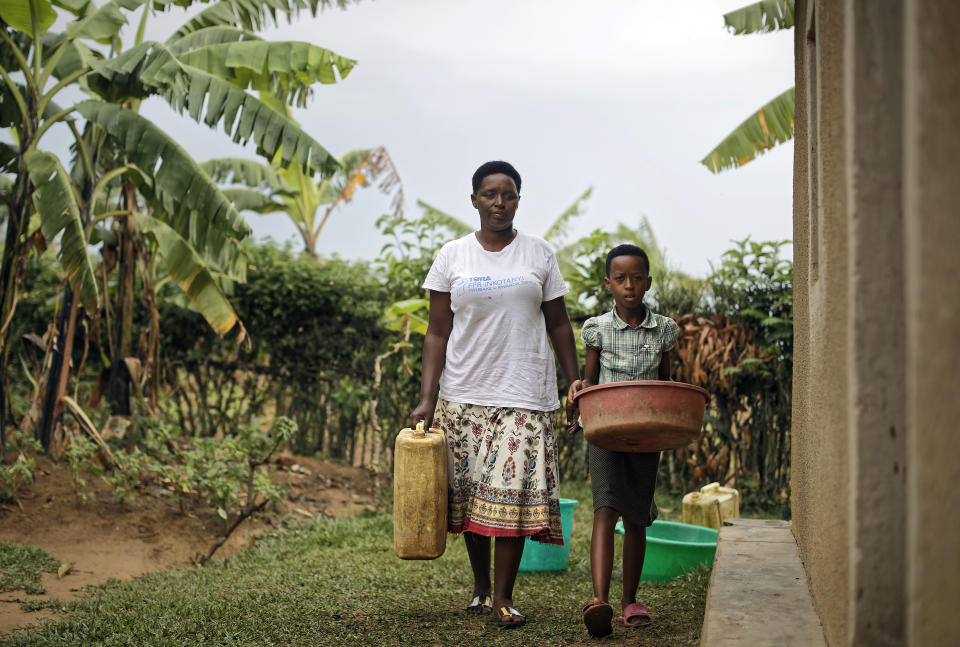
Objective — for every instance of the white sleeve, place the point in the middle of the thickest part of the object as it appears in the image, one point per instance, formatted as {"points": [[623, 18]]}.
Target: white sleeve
{"points": [[554, 286], [437, 278]]}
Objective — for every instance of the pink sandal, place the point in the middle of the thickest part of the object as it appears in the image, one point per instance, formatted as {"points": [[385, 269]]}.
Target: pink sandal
{"points": [[635, 615]]}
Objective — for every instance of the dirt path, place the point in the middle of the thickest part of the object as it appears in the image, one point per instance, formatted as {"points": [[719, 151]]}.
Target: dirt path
{"points": [[102, 541]]}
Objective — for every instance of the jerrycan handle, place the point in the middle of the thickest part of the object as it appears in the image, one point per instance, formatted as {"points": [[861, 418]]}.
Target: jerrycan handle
{"points": [[710, 487], [420, 431]]}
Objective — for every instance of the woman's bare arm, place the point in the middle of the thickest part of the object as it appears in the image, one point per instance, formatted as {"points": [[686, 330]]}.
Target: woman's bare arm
{"points": [[591, 375], [434, 355], [561, 336]]}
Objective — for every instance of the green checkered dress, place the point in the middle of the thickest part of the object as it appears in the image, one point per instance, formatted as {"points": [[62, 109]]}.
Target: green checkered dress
{"points": [[626, 481]]}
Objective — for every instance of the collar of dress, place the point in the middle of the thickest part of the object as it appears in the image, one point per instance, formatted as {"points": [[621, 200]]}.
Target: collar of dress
{"points": [[648, 321]]}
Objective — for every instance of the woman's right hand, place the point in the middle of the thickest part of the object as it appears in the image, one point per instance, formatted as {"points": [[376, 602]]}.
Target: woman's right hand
{"points": [[424, 411]]}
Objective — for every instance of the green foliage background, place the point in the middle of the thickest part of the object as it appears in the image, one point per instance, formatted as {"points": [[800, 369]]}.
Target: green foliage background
{"points": [[317, 327]]}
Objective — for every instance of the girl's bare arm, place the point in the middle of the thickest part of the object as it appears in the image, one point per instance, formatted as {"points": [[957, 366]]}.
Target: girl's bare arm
{"points": [[666, 361]]}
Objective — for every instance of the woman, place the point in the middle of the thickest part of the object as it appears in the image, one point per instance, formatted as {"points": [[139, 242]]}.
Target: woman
{"points": [[496, 295]]}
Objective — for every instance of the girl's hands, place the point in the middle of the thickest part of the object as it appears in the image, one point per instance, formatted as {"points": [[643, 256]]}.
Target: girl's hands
{"points": [[572, 410]]}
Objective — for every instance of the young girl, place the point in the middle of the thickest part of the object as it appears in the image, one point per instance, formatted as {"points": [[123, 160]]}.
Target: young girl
{"points": [[627, 343]]}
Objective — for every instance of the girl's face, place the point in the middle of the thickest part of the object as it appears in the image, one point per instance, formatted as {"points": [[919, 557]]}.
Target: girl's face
{"points": [[496, 200], [629, 280]]}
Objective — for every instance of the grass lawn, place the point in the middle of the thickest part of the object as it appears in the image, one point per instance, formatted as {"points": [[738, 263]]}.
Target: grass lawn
{"points": [[339, 583], [21, 567]]}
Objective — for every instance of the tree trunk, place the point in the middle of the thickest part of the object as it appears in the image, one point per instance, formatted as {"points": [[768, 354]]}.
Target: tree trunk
{"points": [[7, 295], [119, 386], [18, 221], [151, 352], [62, 349], [56, 388]]}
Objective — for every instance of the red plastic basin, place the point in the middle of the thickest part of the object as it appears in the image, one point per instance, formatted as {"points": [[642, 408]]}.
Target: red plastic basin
{"points": [[643, 416]]}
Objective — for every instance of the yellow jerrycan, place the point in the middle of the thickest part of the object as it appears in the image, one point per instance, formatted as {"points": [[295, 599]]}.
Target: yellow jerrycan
{"points": [[419, 494], [711, 505]]}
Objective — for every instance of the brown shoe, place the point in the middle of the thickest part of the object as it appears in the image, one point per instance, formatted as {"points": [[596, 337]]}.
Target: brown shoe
{"points": [[596, 618], [480, 605], [508, 618]]}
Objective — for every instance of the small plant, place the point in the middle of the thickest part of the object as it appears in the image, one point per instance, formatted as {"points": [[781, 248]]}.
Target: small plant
{"points": [[255, 447], [226, 474], [126, 474], [18, 473], [83, 456], [216, 471]]}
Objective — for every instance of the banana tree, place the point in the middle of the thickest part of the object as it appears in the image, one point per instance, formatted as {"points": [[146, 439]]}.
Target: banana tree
{"points": [[39, 183], [444, 220], [207, 68], [772, 123], [279, 188]]}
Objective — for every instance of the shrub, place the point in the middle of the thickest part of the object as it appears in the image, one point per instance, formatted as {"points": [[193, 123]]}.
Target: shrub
{"points": [[18, 472], [743, 355]]}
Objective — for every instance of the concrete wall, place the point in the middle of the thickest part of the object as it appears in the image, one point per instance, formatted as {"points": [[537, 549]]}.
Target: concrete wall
{"points": [[932, 265], [875, 323], [877, 317], [820, 458]]}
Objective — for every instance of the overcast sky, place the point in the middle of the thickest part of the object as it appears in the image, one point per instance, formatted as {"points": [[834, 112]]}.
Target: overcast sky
{"points": [[625, 96]]}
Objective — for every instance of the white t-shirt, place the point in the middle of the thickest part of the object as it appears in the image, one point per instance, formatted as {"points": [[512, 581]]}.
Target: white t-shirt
{"points": [[498, 353]]}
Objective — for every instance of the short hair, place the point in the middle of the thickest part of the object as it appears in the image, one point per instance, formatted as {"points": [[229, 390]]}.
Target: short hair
{"points": [[627, 250], [492, 168]]}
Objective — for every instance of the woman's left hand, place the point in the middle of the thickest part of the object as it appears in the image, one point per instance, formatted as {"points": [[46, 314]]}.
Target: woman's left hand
{"points": [[424, 412]]}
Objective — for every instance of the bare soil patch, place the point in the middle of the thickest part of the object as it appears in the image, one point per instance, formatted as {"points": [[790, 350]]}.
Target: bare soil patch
{"points": [[101, 540]]}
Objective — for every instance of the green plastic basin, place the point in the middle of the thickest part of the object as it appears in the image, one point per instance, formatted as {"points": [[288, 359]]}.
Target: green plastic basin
{"points": [[675, 548], [539, 557]]}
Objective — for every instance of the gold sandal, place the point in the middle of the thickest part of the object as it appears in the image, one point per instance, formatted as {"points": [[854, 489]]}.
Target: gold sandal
{"points": [[509, 618], [480, 605]]}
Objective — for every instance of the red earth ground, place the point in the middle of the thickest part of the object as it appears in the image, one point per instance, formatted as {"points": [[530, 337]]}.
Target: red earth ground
{"points": [[101, 540]]}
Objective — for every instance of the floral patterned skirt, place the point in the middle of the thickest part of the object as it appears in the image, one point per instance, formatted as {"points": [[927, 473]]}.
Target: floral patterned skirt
{"points": [[502, 471]]}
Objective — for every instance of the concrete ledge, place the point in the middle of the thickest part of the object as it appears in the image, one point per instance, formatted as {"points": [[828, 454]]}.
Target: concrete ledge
{"points": [[758, 592]]}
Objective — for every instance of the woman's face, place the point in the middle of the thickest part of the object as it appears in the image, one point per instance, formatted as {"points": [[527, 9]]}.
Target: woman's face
{"points": [[496, 201]]}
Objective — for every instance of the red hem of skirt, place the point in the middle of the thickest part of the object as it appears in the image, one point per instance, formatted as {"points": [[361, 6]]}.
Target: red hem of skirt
{"points": [[487, 531]]}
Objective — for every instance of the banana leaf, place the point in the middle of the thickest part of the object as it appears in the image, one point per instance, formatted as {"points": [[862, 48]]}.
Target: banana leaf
{"points": [[252, 15], [56, 203], [250, 173], [150, 68], [456, 226], [770, 125], [286, 69], [559, 228], [19, 15], [187, 268], [105, 22], [249, 200], [761, 17], [211, 36], [183, 195]]}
